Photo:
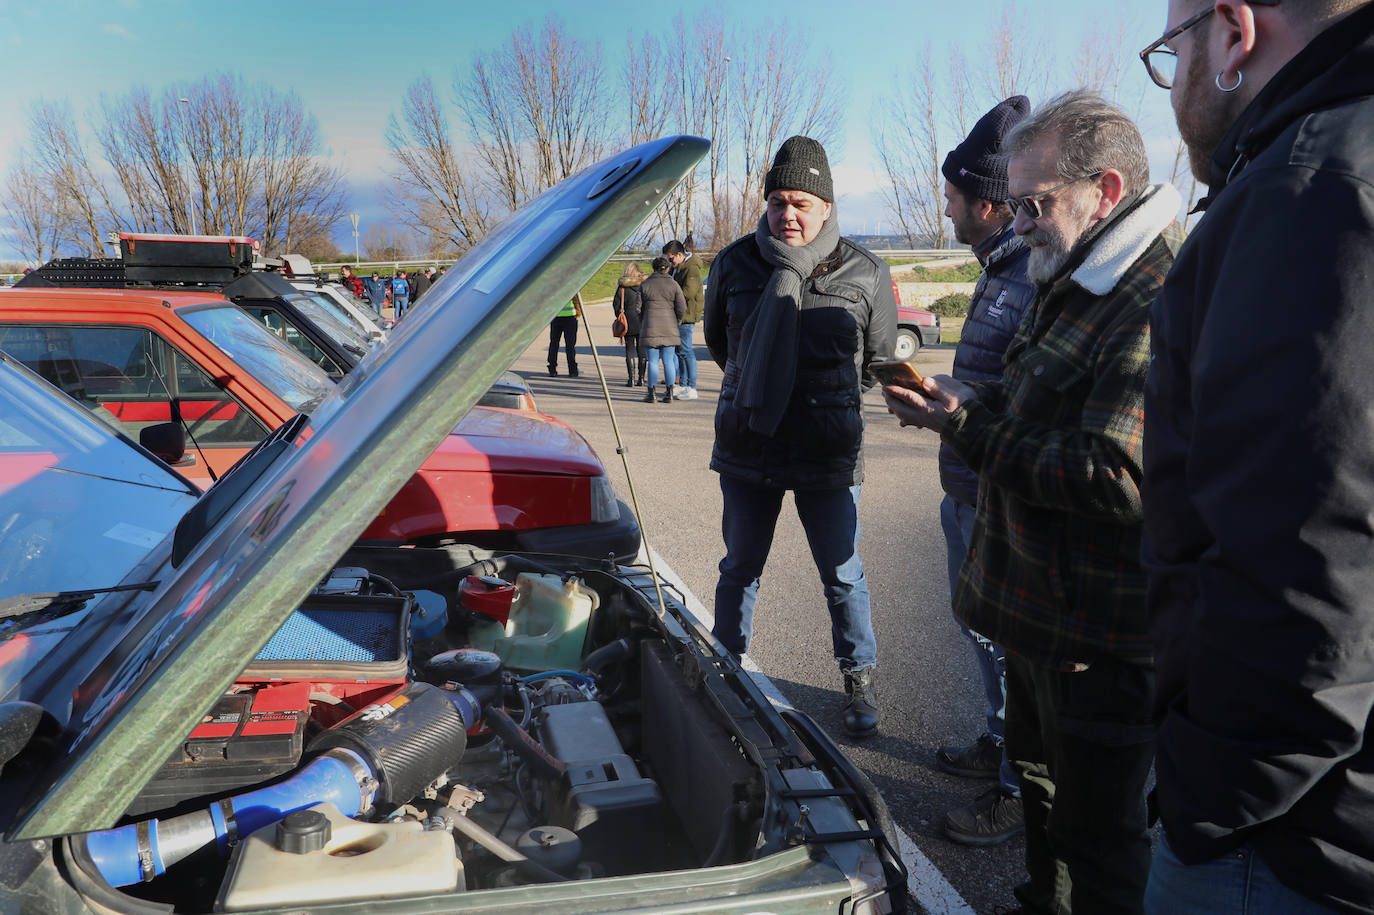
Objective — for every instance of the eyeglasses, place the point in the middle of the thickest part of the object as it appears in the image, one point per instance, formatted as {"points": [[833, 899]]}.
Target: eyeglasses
{"points": [[1160, 60], [1032, 202]]}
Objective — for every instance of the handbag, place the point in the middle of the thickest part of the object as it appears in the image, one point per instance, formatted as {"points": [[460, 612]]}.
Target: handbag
{"points": [[620, 325]]}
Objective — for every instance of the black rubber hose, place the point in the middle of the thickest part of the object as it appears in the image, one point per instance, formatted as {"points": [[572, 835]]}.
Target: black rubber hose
{"points": [[619, 650], [519, 740]]}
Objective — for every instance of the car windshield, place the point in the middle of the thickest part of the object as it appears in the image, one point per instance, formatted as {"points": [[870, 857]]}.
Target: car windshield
{"points": [[296, 380], [79, 507], [330, 317]]}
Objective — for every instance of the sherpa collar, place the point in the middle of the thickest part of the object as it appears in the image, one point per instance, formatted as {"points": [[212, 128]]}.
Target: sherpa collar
{"points": [[1123, 244]]}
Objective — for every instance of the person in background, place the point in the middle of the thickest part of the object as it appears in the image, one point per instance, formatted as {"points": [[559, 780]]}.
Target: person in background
{"points": [[794, 314], [976, 195], [564, 327], [687, 272], [400, 294], [1259, 465], [419, 285], [661, 307], [1053, 575], [626, 301]]}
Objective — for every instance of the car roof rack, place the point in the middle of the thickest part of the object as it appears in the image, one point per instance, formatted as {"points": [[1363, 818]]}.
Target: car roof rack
{"points": [[154, 259]]}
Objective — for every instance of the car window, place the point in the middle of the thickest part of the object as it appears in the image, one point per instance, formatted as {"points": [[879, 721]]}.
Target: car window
{"points": [[297, 381], [279, 325], [133, 376], [79, 507], [332, 318]]}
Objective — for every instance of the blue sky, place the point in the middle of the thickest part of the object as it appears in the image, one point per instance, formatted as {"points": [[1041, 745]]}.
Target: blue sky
{"points": [[350, 61]]}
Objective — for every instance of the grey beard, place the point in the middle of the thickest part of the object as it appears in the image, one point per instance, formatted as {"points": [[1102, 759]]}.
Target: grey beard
{"points": [[1044, 262]]}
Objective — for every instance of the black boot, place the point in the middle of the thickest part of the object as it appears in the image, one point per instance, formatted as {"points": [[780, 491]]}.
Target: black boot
{"points": [[553, 370], [861, 712]]}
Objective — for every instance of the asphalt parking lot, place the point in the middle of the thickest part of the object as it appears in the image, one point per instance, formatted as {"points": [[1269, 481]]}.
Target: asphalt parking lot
{"points": [[928, 683]]}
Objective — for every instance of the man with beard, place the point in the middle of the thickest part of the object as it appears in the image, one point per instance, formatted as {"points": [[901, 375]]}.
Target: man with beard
{"points": [[794, 314], [1053, 574], [1259, 478], [976, 192]]}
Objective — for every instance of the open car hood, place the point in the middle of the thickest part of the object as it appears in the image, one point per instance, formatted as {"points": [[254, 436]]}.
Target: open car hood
{"points": [[172, 651]]}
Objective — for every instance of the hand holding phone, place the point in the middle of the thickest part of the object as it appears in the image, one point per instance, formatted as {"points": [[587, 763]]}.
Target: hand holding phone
{"points": [[897, 372]]}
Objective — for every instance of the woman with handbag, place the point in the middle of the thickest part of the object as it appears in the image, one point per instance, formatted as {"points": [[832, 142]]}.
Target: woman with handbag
{"points": [[626, 305]]}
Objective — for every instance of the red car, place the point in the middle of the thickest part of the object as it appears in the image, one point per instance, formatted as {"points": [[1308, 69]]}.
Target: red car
{"points": [[916, 327], [504, 479]]}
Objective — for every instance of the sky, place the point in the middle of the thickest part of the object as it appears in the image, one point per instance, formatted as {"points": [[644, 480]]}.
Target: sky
{"points": [[351, 61]]}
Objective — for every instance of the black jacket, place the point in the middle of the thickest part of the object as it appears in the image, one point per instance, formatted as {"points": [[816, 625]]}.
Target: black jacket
{"points": [[994, 313], [626, 301], [848, 318], [1259, 486]]}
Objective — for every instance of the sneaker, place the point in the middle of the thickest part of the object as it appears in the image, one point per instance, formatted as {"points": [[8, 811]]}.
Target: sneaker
{"points": [[689, 393], [991, 819], [981, 759]]}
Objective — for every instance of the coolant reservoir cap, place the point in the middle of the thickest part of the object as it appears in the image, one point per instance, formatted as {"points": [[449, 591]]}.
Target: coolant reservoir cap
{"points": [[302, 832]]}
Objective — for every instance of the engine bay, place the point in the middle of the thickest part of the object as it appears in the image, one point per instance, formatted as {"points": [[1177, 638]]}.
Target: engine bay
{"points": [[425, 724]]}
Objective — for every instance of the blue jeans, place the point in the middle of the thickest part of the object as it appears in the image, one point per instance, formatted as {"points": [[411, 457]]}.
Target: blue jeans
{"points": [[1237, 883], [665, 355], [686, 356], [831, 520], [402, 306], [956, 518]]}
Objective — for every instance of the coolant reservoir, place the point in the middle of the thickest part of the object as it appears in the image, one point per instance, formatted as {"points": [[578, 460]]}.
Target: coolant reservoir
{"points": [[548, 623], [347, 861]]}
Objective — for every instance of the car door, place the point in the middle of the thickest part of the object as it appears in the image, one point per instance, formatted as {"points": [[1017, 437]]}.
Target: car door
{"points": [[135, 378]]}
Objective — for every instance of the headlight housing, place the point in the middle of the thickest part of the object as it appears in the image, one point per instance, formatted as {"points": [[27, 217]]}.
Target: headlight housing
{"points": [[605, 506]]}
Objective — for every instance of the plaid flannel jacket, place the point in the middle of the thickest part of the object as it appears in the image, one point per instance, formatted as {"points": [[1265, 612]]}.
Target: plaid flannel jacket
{"points": [[1053, 571]]}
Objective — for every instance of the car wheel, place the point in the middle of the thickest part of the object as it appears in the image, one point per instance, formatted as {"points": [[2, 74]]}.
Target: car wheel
{"points": [[907, 343]]}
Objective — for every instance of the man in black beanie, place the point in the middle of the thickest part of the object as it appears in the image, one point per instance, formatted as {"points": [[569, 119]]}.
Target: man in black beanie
{"points": [[794, 314], [976, 193]]}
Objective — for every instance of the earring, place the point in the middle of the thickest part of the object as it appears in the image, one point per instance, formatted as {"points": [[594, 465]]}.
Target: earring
{"points": [[1240, 78]]}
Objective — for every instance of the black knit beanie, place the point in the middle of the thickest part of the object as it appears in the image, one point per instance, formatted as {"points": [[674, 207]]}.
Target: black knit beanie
{"points": [[976, 165], [800, 165]]}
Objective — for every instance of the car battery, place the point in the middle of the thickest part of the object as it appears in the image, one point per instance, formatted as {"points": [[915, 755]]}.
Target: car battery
{"points": [[247, 738], [340, 651]]}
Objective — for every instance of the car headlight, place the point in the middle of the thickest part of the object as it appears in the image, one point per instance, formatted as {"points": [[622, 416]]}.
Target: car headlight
{"points": [[605, 506]]}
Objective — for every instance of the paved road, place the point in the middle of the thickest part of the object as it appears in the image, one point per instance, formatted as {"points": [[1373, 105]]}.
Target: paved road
{"points": [[927, 678]]}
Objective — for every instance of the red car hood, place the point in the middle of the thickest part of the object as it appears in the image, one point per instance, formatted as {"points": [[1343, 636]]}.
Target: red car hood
{"points": [[519, 441]]}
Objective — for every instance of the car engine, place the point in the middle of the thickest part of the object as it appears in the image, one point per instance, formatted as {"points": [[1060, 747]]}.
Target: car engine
{"points": [[424, 725]]}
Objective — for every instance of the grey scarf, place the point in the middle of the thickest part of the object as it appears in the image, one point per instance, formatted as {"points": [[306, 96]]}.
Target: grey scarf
{"points": [[769, 368]]}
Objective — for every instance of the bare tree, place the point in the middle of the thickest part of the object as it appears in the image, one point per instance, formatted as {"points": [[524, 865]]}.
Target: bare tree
{"points": [[907, 140], [536, 110], [386, 243], [31, 212], [61, 161], [440, 197]]}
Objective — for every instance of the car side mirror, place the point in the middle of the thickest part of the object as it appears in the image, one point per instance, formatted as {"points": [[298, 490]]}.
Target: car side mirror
{"points": [[166, 440]]}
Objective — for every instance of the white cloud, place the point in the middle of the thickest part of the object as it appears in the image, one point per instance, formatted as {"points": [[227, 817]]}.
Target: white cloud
{"points": [[114, 28]]}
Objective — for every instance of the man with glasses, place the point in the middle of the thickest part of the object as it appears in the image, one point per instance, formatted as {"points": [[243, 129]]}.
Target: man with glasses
{"points": [[1053, 574], [1259, 466]]}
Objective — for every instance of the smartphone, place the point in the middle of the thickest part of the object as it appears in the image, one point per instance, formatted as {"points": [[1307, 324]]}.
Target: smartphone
{"points": [[896, 372]]}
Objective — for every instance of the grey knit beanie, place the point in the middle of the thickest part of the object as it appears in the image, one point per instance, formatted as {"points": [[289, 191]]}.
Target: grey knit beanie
{"points": [[800, 165], [976, 166]]}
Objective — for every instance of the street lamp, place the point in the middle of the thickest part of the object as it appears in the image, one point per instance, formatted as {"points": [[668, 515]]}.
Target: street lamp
{"points": [[353, 217], [190, 207], [727, 148]]}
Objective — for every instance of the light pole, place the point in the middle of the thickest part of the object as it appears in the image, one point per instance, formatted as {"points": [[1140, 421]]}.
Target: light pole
{"points": [[190, 206], [728, 209], [353, 217]]}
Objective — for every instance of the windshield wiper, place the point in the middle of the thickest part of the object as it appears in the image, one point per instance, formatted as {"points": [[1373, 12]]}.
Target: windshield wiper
{"points": [[56, 604]]}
